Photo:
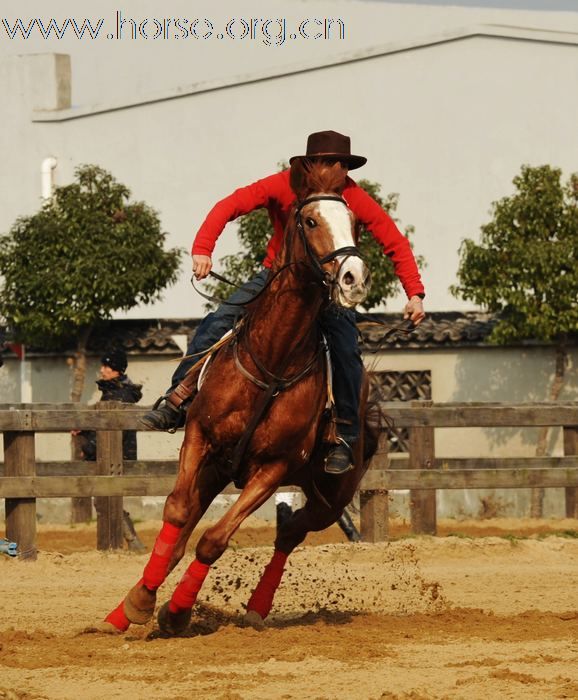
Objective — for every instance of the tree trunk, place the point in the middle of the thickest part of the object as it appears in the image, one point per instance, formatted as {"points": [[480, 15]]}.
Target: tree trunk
{"points": [[81, 508], [79, 365], [537, 495]]}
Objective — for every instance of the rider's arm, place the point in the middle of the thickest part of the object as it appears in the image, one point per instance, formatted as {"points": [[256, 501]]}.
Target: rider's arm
{"points": [[395, 244], [242, 201]]}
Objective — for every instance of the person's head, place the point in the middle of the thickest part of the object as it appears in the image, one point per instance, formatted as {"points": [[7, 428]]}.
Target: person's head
{"points": [[330, 147], [113, 364]]}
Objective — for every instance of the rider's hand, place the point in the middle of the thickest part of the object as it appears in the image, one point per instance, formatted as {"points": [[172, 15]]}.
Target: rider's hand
{"points": [[202, 265], [414, 310]]}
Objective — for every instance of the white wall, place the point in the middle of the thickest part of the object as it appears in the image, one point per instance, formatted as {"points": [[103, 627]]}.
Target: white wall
{"points": [[446, 126]]}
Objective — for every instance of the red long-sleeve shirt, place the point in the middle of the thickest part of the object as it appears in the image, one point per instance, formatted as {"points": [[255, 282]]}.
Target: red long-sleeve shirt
{"points": [[275, 193]]}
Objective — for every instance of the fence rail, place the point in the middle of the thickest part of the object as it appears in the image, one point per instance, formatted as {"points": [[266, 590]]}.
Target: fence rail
{"points": [[63, 417], [23, 479]]}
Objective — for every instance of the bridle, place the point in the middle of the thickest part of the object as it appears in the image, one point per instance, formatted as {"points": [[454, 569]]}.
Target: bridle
{"points": [[327, 278]]}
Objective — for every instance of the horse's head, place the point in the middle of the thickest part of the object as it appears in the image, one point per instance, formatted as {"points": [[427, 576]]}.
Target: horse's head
{"points": [[326, 229]]}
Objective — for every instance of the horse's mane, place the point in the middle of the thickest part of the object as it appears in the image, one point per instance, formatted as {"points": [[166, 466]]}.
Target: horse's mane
{"points": [[308, 177]]}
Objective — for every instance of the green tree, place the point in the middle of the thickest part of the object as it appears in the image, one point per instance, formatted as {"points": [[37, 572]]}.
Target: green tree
{"points": [[89, 251], [525, 270], [255, 231]]}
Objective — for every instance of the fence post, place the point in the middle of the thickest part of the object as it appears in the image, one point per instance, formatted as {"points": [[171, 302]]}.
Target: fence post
{"points": [[19, 460], [422, 502], [108, 462], [374, 505], [80, 507], [571, 448]]}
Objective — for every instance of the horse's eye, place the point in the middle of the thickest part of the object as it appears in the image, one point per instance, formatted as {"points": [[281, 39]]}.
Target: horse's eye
{"points": [[310, 222]]}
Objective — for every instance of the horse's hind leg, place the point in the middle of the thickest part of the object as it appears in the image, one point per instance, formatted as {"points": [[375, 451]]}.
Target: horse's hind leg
{"points": [[291, 534], [194, 491]]}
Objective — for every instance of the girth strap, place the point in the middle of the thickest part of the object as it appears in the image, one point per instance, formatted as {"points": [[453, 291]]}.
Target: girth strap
{"points": [[262, 405]]}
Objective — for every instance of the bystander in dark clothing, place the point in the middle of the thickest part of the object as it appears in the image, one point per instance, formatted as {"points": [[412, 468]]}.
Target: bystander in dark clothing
{"points": [[119, 389], [116, 386]]}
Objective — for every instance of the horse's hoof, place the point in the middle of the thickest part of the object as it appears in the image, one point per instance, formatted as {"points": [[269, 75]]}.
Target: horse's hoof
{"points": [[139, 605], [171, 623], [254, 620], [103, 627]]}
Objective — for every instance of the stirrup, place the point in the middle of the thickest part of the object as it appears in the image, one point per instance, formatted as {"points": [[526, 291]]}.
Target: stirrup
{"points": [[159, 401], [182, 412]]}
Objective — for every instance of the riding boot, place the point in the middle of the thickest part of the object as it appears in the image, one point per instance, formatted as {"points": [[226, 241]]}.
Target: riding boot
{"points": [[164, 417], [339, 459], [170, 411]]}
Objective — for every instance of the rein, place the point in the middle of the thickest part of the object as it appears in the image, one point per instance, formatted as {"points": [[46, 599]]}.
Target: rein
{"points": [[406, 327], [209, 297]]}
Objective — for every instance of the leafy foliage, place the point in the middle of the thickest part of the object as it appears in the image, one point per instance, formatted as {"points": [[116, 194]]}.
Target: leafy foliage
{"points": [[86, 253], [255, 232], [525, 267]]}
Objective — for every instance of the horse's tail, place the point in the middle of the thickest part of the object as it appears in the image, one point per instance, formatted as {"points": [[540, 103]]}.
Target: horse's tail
{"points": [[375, 420]]}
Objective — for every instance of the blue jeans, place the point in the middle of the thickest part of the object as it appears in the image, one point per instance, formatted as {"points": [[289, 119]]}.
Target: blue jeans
{"points": [[339, 327]]}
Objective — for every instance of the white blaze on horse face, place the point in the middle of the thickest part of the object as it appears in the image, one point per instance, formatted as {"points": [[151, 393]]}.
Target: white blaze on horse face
{"points": [[353, 274]]}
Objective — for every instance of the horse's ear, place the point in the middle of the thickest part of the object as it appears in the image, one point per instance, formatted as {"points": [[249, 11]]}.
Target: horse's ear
{"points": [[298, 178], [338, 177]]}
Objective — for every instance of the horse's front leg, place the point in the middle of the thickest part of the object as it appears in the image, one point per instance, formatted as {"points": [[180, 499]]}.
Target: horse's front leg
{"points": [[214, 542], [194, 490]]}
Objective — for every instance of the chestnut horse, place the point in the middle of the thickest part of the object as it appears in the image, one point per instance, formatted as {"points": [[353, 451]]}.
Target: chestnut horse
{"points": [[273, 374]]}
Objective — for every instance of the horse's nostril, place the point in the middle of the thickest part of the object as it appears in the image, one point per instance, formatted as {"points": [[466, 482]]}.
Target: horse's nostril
{"points": [[348, 278]]}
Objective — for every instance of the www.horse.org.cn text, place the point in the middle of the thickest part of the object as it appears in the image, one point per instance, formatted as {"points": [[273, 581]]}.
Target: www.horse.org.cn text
{"points": [[269, 31]]}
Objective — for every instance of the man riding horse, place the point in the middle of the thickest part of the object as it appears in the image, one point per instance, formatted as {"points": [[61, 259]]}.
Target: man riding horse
{"points": [[260, 417], [338, 324]]}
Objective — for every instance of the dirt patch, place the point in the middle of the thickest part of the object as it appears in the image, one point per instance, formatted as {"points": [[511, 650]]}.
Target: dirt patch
{"points": [[257, 533], [412, 619]]}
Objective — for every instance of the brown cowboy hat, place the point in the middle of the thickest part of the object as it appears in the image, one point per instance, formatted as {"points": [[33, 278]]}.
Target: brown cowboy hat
{"points": [[331, 144]]}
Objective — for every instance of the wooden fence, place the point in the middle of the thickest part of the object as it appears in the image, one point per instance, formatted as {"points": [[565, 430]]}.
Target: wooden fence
{"points": [[23, 479]]}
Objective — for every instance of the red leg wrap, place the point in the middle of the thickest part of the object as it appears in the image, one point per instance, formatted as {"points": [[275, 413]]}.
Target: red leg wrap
{"points": [[118, 618], [262, 599], [156, 570], [189, 586]]}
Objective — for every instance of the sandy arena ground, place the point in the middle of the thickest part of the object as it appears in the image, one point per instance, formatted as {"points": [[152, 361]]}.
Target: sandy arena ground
{"points": [[473, 615]]}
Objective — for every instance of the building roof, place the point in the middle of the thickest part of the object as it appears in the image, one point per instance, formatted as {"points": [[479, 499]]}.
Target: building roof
{"points": [[440, 330], [495, 31], [450, 329]]}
